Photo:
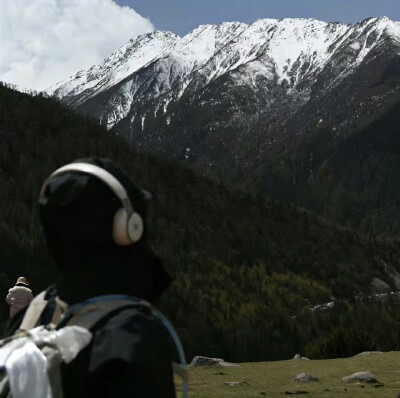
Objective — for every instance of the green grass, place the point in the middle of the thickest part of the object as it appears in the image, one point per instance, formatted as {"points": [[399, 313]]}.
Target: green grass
{"points": [[274, 378]]}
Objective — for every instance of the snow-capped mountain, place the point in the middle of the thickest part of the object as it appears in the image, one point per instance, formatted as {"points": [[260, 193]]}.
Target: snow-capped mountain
{"points": [[232, 92]]}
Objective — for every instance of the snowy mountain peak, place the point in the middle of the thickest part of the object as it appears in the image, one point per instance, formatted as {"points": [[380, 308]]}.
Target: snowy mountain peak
{"points": [[129, 58], [269, 58]]}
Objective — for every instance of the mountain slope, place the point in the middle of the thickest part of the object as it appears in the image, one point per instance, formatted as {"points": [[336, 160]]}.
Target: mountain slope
{"points": [[282, 66], [243, 266], [264, 104]]}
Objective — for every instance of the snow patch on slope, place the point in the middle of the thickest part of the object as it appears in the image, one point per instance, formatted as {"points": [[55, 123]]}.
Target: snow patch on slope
{"points": [[131, 57]]}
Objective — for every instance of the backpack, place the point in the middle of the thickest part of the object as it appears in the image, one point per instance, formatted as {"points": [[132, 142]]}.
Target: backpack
{"points": [[31, 358]]}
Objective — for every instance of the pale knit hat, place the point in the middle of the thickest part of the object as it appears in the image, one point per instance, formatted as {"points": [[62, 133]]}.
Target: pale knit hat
{"points": [[22, 280]]}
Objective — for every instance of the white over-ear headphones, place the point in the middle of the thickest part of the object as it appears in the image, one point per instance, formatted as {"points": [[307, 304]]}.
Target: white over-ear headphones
{"points": [[128, 225]]}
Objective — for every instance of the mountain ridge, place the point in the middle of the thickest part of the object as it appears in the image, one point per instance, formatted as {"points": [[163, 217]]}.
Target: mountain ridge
{"points": [[288, 52], [254, 103]]}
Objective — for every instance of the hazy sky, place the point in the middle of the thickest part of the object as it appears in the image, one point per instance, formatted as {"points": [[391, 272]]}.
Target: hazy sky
{"points": [[182, 16], [45, 41]]}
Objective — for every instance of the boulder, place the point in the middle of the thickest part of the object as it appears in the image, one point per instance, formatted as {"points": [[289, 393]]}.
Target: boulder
{"points": [[365, 377], [380, 286], [304, 378], [298, 356], [368, 353], [205, 361]]}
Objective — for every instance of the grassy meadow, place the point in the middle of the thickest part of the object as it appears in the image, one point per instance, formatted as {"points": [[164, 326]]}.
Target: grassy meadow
{"points": [[273, 379]]}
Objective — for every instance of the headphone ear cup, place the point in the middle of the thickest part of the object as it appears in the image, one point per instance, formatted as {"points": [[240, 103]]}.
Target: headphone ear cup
{"points": [[135, 227], [120, 228]]}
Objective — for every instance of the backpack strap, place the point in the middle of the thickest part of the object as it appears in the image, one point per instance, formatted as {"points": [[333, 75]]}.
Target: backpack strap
{"points": [[92, 311], [35, 309], [61, 309], [38, 307]]}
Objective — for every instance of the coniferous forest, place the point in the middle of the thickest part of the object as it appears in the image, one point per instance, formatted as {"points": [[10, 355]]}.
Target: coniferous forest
{"points": [[247, 270], [352, 179]]}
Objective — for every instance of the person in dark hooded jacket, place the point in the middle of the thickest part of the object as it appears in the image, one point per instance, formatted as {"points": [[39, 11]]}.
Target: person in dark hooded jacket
{"points": [[98, 240]]}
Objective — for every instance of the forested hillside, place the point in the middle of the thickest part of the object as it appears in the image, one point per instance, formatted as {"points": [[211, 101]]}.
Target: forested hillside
{"points": [[244, 267], [352, 180]]}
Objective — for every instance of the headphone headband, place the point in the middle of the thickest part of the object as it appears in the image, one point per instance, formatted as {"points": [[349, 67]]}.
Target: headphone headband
{"points": [[102, 174]]}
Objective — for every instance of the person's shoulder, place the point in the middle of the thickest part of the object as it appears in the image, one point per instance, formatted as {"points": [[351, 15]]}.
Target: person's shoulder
{"points": [[132, 335], [139, 319], [19, 288]]}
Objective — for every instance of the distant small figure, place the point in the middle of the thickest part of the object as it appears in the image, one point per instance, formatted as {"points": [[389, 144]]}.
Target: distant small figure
{"points": [[19, 296]]}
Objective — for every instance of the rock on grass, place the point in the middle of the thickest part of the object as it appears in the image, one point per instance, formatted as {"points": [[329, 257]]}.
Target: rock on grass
{"points": [[205, 361], [366, 377], [304, 378]]}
